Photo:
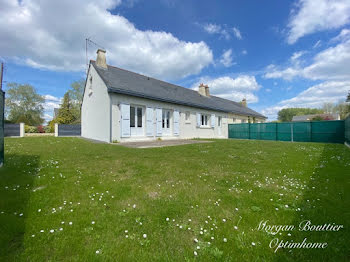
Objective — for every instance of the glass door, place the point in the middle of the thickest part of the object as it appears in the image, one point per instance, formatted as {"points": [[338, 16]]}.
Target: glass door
{"points": [[136, 121], [166, 122]]}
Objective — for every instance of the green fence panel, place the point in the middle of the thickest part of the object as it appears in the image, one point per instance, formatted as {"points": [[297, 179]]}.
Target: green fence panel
{"points": [[328, 131], [2, 101], [268, 131], [347, 129], [316, 131], [255, 131], [240, 131], [284, 131], [302, 131]]}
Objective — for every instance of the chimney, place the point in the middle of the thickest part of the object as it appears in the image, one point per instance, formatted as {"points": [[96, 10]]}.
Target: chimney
{"points": [[244, 102], [203, 90], [101, 58]]}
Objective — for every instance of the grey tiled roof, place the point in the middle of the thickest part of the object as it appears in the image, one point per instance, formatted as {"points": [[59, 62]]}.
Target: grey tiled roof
{"points": [[125, 82]]}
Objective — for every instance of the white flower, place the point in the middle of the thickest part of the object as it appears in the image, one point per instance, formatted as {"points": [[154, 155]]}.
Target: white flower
{"points": [[195, 253], [212, 238], [253, 244], [61, 229], [189, 220], [196, 240], [126, 236], [42, 231], [144, 236], [276, 208], [225, 239], [224, 220], [51, 231], [198, 247], [134, 206], [201, 232], [39, 210], [126, 231], [93, 222], [236, 209], [180, 227], [97, 251], [286, 206], [167, 219], [33, 235], [70, 223], [62, 222], [21, 214], [235, 227]]}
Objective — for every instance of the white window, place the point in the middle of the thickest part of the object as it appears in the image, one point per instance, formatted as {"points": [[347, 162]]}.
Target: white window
{"points": [[187, 117], [204, 120]]}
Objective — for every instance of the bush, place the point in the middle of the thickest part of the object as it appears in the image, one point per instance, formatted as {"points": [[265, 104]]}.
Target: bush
{"points": [[47, 129], [41, 129], [30, 129]]}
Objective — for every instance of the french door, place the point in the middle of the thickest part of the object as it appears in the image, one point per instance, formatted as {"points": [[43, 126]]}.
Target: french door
{"points": [[136, 121], [166, 122]]}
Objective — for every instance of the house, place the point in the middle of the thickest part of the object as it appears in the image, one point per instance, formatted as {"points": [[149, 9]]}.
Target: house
{"points": [[120, 105], [326, 116]]}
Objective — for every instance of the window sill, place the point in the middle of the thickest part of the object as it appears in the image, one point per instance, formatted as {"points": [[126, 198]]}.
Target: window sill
{"points": [[187, 122], [205, 127]]}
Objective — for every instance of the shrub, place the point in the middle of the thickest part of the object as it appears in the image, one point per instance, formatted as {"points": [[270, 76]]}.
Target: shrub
{"points": [[47, 129], [41, 129], [30, 129]]}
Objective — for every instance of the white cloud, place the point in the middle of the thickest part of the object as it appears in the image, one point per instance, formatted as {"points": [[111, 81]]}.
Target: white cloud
{"points": [[216, 29], [237, 33], [50, 103], [234, 89], [226, 58], [39, 34], [244, 52], [317, 44], [313, 97], [222, 30], [311, 16], [332, 63]]}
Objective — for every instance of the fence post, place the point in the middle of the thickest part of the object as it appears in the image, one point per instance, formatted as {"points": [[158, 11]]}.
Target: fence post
{"points": [[21, 130], [310, 131], [56, 129], [291, 131], [248, 130]]}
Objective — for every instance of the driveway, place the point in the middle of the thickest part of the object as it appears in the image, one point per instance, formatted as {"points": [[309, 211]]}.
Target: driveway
{"points": [[162, 143]]}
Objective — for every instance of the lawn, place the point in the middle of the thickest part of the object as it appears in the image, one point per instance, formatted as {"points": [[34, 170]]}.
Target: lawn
{"points": [[70, 199]]}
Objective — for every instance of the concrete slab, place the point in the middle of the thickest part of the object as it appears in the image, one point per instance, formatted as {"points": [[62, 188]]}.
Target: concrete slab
{"points": [[162, 143]]}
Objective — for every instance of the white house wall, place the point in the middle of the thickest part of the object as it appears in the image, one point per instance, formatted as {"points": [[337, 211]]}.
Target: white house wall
{"points": [[186, 130], [95, 111]]}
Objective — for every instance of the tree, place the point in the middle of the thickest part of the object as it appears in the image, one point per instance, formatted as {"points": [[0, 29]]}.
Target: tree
{"points": [[343, 109], [24, 104], [286, 114], [348, 98], [76, 93], [66, 112], [328, 108]]}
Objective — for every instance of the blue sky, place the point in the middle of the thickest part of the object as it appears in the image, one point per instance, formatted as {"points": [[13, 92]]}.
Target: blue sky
{"points": [[276, 54]]}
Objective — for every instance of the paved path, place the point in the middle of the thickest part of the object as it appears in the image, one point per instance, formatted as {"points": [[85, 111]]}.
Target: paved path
{"points": [[162, 143]]}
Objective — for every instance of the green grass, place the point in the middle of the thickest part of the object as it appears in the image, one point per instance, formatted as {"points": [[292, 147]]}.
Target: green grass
{"points": [[242, 182]]}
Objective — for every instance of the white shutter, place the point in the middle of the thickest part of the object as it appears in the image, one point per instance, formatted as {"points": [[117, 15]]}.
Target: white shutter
{"points": [[149, 121], [159, 121], [125, 120], [176, 122], [198, 119], [212, 120]]}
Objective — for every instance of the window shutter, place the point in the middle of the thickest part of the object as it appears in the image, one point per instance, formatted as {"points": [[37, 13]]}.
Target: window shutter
{"points": [[198, 119], [212, 120], [125, 120], [159, 121], [176, 122], [149, 121]]}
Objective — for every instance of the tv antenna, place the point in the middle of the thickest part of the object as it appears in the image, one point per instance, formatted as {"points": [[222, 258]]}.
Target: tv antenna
{"points": [[87, 42]]}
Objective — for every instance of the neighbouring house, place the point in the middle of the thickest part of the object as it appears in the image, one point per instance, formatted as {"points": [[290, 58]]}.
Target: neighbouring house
{"points": [[326, 116], [120, 105]]}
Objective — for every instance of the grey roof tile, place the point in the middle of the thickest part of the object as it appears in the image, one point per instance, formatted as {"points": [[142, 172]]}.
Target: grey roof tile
{"points": [[126, 82]]}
